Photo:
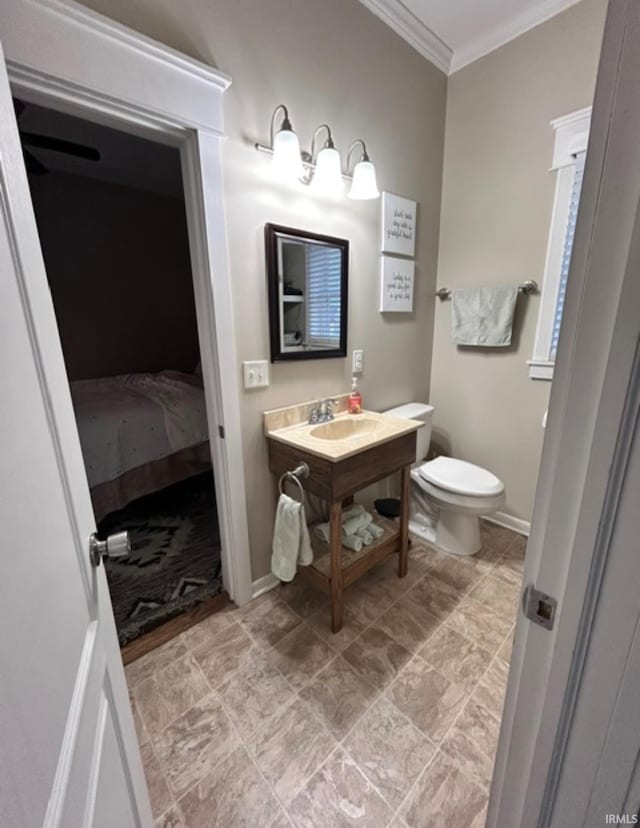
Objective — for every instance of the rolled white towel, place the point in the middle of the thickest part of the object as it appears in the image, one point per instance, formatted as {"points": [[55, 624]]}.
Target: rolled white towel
{"points": [[323, 531], [354, 518], [352, 542], [351, 526], [352, 511], [365, 534], [375, 530]]}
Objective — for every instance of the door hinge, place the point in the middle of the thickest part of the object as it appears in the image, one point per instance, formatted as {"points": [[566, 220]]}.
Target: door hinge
{"points": [[539, 607], [221, 432]]}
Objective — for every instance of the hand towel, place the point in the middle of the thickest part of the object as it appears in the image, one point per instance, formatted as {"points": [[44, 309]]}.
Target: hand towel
{"points": [[291, 544], [367, 537], [375, 530], [352, 511], [352, 542], [351, 525], [323, 531], [353, 518], [483, 316]]}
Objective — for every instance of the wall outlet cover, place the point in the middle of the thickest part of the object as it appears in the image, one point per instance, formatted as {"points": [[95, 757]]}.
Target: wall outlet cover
{"points": [[357, 362]]}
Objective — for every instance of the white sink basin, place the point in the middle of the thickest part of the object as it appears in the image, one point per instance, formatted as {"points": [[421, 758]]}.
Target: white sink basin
{"points": [[346, 427]]}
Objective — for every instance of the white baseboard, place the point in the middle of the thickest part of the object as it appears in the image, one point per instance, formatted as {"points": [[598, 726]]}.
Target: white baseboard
{"points": [[264, 584], [510, 522]]}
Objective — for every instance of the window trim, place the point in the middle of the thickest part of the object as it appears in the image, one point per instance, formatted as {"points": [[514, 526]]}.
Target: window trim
{"points": [[571, 137]]}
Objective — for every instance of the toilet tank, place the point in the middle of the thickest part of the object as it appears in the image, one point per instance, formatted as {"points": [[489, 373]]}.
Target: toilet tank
{"points": [[416, 411]]}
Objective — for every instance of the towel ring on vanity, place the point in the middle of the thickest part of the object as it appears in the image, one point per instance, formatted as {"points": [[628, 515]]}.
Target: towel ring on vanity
{"points": [[294, 476]]}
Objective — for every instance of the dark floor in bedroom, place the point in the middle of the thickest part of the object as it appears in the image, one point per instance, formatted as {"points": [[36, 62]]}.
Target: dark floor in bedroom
{"points": [[175, 556]]}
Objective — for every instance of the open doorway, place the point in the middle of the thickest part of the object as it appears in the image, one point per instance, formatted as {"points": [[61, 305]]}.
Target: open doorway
{"points": [[111, 220]]}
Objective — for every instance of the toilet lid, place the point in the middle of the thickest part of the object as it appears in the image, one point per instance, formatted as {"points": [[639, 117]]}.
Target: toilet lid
{"points": [[460, 477]]}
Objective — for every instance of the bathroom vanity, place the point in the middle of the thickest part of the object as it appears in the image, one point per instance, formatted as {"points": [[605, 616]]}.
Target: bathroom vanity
{"points": [[344, 456]]}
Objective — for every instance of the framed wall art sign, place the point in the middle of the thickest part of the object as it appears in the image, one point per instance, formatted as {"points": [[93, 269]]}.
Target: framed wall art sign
{"points": [[396, 285], [398, 225]]}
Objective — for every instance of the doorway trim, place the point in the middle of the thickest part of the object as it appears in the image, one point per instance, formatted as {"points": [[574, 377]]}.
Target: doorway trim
{"points": [[64, 56]]}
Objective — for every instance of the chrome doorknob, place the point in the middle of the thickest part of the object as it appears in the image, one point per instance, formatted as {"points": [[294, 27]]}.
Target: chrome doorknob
{"points": [[115, 546]]}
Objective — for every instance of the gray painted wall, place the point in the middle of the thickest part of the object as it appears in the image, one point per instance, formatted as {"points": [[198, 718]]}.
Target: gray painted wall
{"points": [[496, 209]]}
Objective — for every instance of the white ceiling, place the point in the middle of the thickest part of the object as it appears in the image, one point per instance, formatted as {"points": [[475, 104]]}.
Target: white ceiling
{"points": [[454, 33]]}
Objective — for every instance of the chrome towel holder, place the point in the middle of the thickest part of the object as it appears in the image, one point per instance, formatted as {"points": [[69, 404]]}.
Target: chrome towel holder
{"points": [[294, 476], [527, 288]]}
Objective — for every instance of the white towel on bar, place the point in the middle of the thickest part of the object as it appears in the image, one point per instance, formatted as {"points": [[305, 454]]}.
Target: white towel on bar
{"points": [[483, 316], [291, 544]]}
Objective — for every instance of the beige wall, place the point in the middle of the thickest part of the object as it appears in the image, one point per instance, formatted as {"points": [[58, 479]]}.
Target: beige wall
{"points": [[330, 61], [496, 208]]}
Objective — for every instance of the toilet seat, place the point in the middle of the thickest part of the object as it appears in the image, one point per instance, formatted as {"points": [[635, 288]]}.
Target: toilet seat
{"points": [[461, 478], [447, 501]]}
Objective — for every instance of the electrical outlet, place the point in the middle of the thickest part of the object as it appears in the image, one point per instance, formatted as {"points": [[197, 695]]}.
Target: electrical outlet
{"points": [[358, 362], [255, 374]]}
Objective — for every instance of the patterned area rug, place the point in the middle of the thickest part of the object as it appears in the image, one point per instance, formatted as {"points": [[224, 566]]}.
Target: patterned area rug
{"points": [[175, 555]]}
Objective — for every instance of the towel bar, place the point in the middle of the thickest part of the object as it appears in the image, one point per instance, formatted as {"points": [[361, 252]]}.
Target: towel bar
{"points": [[527, 288], [294, 476]]}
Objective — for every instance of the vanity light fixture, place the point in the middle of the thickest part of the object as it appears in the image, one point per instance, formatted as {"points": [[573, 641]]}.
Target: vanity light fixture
{"points": [[364, 185], [287, 161], [326, 172], [324, 169]]}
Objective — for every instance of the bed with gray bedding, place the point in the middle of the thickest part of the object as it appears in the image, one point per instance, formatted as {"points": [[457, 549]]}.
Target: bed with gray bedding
{"points": [[140, 433]]}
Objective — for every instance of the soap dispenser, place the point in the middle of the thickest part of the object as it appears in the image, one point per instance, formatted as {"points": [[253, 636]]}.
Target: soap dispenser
{"points": [[355, 398]]}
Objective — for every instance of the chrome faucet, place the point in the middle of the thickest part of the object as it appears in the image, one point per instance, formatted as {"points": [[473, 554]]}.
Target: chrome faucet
{"points": [[323, 411]]}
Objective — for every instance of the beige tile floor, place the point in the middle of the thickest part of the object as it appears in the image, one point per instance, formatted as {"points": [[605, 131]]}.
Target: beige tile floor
{"points": [[260, 717]]}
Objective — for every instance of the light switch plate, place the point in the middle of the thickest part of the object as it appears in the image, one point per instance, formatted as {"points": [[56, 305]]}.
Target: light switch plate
{"points": [[255, 374], [357, 364]]}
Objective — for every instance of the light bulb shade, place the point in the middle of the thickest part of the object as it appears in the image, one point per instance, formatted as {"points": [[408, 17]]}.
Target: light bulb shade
{"points": [[287, 162], [328, 173], [364, 185]]}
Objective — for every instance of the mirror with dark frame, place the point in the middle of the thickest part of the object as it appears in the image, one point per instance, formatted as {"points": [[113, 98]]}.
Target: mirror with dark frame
{"points": [[307, 277]]}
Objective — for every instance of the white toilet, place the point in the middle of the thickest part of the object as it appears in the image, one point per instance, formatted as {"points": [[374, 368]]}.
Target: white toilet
{"points": [[448, 495]]}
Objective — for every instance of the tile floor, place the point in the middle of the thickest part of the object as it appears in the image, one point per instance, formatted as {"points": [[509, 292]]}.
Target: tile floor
{"points": [[260, 717]]}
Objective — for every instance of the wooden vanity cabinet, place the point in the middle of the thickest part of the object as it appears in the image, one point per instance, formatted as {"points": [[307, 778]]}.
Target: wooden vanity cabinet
{"points": [[336, 481]]}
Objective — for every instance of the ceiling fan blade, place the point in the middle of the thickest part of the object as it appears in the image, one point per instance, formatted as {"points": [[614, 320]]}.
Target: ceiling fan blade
{"points": [[33, 139], [34, 167]]}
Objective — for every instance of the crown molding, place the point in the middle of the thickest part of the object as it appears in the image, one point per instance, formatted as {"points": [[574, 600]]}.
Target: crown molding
{"points": [[529, 19], [405, 23], [105, 27]]}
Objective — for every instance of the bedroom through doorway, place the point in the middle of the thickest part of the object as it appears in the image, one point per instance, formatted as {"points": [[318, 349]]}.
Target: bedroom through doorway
{"points": [[113, 231]]}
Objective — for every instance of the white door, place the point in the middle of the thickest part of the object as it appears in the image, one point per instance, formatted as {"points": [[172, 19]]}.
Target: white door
{"points": [[568, 753], [68, 753]]}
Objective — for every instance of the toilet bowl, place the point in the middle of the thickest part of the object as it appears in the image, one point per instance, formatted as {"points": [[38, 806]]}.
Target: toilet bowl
{"points": [[448, 495]]}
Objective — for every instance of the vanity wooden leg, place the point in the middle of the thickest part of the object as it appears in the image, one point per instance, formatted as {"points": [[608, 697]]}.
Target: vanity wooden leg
{"points": [[337, 599], [403, 558]]}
